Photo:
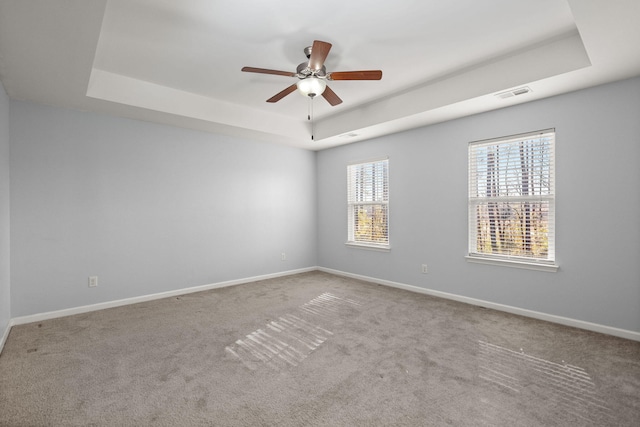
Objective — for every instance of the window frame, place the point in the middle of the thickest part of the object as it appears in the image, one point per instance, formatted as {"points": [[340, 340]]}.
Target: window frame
{"points": [[352, 203], [546, 198]]}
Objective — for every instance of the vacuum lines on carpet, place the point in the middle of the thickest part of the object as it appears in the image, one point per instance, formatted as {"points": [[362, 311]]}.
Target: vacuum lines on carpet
{"points": [[291, 338], [571, 387]]}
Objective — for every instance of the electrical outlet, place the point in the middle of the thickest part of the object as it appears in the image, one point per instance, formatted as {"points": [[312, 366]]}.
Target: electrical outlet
{"points": [[424, 269], [93, 281], [283, 256]]}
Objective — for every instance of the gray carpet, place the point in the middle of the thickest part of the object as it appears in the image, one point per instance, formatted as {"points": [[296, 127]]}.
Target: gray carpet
{"points": [[314, 350]]}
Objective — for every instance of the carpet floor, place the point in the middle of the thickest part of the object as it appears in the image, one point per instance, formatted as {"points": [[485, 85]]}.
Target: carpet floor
{"points": [[314, 349]]}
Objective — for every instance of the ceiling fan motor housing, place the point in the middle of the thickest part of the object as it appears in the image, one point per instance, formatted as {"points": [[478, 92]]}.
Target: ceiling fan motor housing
{"points": [[304, 71]]}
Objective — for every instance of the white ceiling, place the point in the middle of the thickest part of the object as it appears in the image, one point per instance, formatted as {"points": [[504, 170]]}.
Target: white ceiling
{"points": [[178, 62]]}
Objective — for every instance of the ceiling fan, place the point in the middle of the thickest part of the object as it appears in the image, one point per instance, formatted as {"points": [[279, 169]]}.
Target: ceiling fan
{"points": [[313, 74]]}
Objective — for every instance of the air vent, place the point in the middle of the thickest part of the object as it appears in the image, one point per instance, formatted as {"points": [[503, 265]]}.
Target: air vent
{"points": [[514, 92]]}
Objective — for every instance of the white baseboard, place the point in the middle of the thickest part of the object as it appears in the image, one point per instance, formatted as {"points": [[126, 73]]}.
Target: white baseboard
{"points": [[134, 300], [5, 334], [622, 333]]}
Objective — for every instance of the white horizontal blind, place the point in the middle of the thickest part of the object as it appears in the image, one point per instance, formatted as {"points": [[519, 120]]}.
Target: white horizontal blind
{"points": [[368, 202], [512, 197]]}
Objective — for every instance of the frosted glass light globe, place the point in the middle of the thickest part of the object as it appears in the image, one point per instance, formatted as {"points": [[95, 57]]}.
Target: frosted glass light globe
{"points": [[311, 86]]}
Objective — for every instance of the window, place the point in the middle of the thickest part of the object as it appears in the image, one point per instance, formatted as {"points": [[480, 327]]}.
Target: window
{"points": [[512, 200], [368, 203]]}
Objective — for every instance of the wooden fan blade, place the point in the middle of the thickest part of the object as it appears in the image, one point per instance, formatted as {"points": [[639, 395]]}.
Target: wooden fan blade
{"points": [[319, 52], [277, 97], [266, 71], [355, 75], [331, 96]]}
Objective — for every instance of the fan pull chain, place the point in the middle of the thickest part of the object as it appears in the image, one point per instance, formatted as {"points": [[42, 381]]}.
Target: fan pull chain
{"points": [[310, 115]]}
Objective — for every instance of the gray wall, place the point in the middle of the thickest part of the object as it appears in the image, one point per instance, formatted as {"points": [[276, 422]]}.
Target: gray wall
{"points": [[150, 208], [5, 307], [147, 208], [598, 208]]}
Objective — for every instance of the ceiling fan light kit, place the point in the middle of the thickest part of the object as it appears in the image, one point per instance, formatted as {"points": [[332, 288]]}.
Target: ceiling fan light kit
{"points": [[311, 86]]}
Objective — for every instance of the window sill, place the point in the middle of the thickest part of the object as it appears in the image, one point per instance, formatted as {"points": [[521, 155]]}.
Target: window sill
{"points": [[551, 268], [381, 248]]}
